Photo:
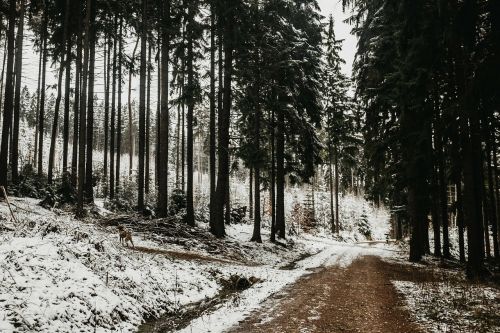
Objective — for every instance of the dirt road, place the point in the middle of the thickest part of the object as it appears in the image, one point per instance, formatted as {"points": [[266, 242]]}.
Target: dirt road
{"points": [[359, 298]]}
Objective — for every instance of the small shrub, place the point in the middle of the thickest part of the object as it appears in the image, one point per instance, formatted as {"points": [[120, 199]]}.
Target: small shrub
{"points": [[178, 202]]}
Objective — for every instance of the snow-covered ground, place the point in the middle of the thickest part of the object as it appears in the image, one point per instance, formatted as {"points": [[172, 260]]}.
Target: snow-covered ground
{"points": [[452, 307], [58, 274]]}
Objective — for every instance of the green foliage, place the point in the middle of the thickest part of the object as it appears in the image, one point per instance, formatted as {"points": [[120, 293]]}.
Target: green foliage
{"points": [[29, 184], [363, 226], [177, 202]]}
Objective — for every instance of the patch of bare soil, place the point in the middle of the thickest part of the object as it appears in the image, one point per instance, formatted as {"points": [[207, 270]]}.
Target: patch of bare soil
{"points": [[189, 256], [359, 298], [173, 231]]}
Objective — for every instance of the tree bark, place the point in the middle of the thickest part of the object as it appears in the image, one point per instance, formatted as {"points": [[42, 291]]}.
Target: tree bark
{"points": [[130, 114], [148, 124], [280, 173], [41, 114], [224, 123], [9, 95], [190, 104], [212, 115], [107, 81], [142, 106], [164, 114], [89, 181], [67, 97], [14, 154], [82, 140], [76, 103], [55, 123], [119, 121]]}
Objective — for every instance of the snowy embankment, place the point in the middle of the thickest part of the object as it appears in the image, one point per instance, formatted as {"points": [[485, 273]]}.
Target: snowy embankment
{"points": [[58, 274]]}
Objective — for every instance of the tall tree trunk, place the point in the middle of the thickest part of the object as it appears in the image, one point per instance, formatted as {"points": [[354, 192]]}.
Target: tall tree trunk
{"points": [[119, 122], [148, 124], [2, 80], [164, 114], [280, 172], [436, 226], [250, 193], [190, 104], [212, 114], [158, 111], [89, 181], [55, 123], [272, 193], [337, 180], [112, 143], [130, 114], [178, 147], [40, 58], [82, 140], [67, 97], [107, 81], [41, 113], [492, 199], [9, 94], [14, 154], [472, 199], [224, 123], [76, 102], [331, 183], [142, 106], [443, 189]]}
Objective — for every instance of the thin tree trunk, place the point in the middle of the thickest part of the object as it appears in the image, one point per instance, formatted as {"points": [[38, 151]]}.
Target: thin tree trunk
{"points": [[41, 115], [250, 193], [89, 181], [67, 96], [17, 96], [55, 123], [337, 218], [76, 105], [212, 115], [273, 176], [107, 81], [9, 94], [158, 112], [443, 187], [280, 173], [164, 114], [112, 143], [331, 181], [35, 155], [224, 123], [178, 147], [119, 125], [82, 140], [190, 104], [492, 199], [130, 115], [3, 74], [148, 123], [142, 107]]}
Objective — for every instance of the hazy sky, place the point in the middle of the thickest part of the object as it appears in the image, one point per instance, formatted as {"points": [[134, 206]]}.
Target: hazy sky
{"points": [[342, 30]]}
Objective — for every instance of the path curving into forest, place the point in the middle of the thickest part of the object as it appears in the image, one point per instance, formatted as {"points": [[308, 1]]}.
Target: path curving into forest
{"points": [[359, 298]]}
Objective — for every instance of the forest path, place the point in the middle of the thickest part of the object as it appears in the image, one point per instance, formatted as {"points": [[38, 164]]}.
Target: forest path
{"points": [[358, 298]]}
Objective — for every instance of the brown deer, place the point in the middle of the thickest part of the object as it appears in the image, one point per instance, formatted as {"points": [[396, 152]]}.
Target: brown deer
{"points": [[125, 235]]}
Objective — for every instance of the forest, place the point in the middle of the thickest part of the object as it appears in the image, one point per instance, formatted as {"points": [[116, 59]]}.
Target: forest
{"points": [[227, 131]]}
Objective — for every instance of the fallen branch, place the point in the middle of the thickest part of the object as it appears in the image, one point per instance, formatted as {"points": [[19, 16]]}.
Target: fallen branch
{"points": [[8, 204]]}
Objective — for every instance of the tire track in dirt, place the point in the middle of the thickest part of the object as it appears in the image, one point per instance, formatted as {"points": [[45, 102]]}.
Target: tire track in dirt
{"points": [[359, 298]]}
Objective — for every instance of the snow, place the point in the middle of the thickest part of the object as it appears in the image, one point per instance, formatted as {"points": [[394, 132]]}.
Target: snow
{"points": [[58, 273], [333, 254], [451, 306]]}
